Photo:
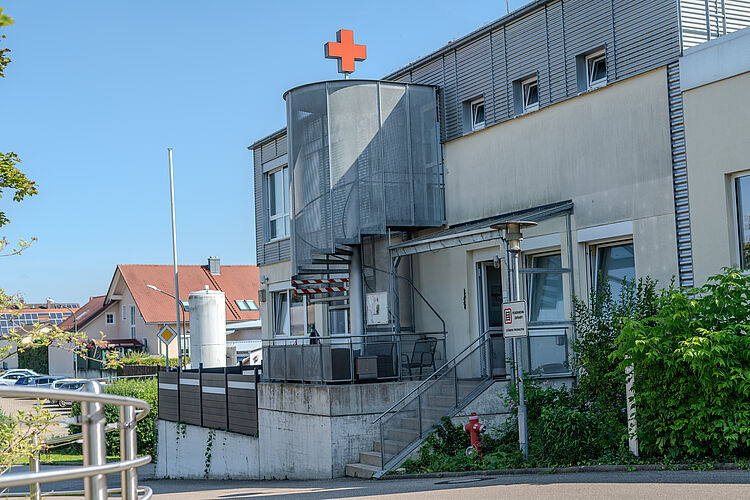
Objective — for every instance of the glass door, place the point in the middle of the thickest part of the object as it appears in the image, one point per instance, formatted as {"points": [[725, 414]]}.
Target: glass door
{"points": [[490, 308]]}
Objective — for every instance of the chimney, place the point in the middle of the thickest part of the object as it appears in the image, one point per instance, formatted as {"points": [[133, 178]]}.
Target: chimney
{"points": [[214, 267]]}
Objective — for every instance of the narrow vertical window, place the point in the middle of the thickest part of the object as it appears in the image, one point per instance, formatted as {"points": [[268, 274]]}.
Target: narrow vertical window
{"points": [[530, 89], [278, 203], [742, 187], [596, 70], [477, 114]]}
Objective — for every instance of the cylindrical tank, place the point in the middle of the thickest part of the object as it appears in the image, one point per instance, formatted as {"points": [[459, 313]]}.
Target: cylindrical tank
{"points": [[208, 334]]}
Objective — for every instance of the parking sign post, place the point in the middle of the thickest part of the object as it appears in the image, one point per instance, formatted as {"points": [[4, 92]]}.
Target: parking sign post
{"points": [[514, 318]]}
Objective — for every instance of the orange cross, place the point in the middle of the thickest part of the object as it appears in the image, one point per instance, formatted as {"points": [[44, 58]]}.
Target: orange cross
{"points": [[345, 51]]}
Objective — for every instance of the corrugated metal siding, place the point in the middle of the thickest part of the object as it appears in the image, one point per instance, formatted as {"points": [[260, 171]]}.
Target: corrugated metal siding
{"points": [[703, 20], [526, 49], [646, 35], [588, 25], [277, 251], [474, 76], [450, 104], [500, 110], [557, 52], [679, 176]]}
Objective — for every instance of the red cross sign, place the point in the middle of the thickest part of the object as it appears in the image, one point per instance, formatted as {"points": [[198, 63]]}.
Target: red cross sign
{"points": [[345, 51]]}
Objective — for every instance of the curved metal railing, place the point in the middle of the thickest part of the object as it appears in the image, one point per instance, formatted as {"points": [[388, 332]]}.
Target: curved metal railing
{"points": [[93, 428]]}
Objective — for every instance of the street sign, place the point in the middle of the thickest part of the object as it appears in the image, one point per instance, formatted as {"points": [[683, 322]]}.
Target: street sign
{"points": [[514, 320], [167, 334]]}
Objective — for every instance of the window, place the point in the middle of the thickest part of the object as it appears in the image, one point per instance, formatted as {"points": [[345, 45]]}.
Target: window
{"points": [[596, 70], [110, 318], [615, 263], [477, 114], [530, 93], [124, 313], [132, 322], [548, 343], [742, 192], [246, 305], [293, 314], [278, 203]]}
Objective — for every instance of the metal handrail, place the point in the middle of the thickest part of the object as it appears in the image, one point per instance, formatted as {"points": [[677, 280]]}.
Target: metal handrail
{"points": [[446, 366], [93, 423]]}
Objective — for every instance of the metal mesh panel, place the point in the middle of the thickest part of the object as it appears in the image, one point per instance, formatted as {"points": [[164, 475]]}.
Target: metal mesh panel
{"points": [[365, 156]]}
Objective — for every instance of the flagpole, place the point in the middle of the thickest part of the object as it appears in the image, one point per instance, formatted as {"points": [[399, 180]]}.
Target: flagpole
{"points": [[174, 262]]}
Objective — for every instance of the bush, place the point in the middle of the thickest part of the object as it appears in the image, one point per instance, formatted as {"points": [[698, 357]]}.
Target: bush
{"points": [[691, 359], [146, 430], [35, 358], [601, 379], [146, 359]]}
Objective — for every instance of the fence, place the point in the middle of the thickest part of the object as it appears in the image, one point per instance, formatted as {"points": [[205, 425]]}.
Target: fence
{"points": [[223, 399]]}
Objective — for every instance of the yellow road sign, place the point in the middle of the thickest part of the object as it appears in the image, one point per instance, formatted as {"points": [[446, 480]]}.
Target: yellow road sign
{"points": [[167, 334]]}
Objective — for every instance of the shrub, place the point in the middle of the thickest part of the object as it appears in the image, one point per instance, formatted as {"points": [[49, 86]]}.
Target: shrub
{"points": [[146, 430], [691, 359], [601, 379]]}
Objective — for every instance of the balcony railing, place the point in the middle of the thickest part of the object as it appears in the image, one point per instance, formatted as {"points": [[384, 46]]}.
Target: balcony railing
{"points": [[351, 358]]}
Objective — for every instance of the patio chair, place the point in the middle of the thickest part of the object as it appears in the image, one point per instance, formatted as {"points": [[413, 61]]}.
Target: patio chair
{"points": [[422, 356]]}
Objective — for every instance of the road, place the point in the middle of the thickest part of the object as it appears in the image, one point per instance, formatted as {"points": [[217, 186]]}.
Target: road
{"points": [[720, 485]]}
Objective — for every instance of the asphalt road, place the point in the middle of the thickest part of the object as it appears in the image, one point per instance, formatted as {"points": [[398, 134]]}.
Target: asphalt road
{"points": [[723, 485]]}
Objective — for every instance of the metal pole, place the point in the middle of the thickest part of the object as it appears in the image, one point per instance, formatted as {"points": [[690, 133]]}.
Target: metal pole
{"points": [[35, 489], [174, 261], [128, 451], [523, 438], [93, 422]]}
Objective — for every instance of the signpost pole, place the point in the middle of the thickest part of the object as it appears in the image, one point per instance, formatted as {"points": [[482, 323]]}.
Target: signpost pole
{"points": [[514, 319]]}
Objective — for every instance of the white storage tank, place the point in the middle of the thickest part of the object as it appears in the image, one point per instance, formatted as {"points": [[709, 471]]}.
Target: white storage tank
{"points": [[208, 335]]}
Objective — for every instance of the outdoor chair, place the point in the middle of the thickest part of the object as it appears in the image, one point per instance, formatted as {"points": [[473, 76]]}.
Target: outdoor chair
{"points": [[422, 356]]}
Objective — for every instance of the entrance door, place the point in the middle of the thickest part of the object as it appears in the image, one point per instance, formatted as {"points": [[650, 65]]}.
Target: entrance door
{"points": [[490, 295]]}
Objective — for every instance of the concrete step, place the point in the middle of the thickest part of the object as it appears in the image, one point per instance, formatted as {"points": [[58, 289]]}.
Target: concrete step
{"points": [[363, 471], [402, 435], [371, 458], [392, 447]]}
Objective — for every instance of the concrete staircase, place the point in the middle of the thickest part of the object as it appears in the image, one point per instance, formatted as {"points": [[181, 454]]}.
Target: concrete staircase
{"points": [[403, 429]]}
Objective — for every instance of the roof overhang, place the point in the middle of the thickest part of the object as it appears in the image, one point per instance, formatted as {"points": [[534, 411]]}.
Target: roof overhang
{"points": [[475, 231]]}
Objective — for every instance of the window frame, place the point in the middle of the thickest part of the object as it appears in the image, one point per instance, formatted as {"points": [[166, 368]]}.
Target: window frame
{"points": [[589, 60], [593, 255], [124, 313], [109, 318], [132, 321], [473, 106], [527, 83], [286, 204], [736, 218]]}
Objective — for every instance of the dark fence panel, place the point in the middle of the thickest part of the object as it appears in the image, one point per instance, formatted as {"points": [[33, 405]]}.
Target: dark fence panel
{"points": [[218, 400]]}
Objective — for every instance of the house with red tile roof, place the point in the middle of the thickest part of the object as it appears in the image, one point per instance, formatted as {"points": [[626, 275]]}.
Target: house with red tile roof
{"points": [[140, 301]]}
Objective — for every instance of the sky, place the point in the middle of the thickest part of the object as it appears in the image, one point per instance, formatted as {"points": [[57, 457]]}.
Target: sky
{"points": [[98, 90]]}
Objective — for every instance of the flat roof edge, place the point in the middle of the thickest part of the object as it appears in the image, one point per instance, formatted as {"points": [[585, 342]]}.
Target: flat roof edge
{"points": [[267, 139]]}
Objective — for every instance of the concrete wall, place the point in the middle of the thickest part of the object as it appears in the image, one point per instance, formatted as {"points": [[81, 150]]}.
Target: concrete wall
{"points": [[183, 451], [313, 431], [716, 101]]}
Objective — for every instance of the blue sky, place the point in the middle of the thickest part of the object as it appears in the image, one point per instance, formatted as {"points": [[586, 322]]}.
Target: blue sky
{"points": [[98, 90]]}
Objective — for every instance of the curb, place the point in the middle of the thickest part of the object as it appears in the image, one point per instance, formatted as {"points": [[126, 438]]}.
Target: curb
{"points": [[562, 470]]}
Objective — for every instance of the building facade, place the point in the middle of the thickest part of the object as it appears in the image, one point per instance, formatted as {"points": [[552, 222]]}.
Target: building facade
{"points": [[601, 121]]}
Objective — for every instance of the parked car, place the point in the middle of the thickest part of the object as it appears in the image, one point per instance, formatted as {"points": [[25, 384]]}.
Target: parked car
{"points": [[71, 386], [39, 381], [58, 384], [9, 377]]}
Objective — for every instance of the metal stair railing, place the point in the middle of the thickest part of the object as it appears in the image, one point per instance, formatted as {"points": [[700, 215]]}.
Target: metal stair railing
{"points": [[405, 424], [95, 465]]}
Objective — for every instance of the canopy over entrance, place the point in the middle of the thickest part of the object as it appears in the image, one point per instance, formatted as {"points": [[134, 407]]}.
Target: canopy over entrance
{"points": [[475, 231]]}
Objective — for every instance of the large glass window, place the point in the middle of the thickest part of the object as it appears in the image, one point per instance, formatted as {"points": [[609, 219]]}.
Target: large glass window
{"points": [[742, 186], [278, 203], [546, 297], [615, 264], [292, 314], [281, 313], [548, 343]]}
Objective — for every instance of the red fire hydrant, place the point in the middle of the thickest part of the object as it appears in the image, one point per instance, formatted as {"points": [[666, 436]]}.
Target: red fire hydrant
{"points": [[474, 428]]}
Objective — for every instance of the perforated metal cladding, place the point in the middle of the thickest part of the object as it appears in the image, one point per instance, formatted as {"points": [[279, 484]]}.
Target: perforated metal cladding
{"points": [[703, 20], [364, 156]]}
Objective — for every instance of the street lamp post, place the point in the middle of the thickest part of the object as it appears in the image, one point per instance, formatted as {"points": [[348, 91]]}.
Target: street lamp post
{"points": [[180, 327], [512, 238]]}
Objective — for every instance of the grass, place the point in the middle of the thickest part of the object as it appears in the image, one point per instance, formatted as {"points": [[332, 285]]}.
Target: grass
{"points": [[65, 458]]}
